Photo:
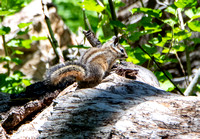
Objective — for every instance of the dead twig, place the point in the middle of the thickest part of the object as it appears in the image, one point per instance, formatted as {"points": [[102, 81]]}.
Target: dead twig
{"points": [[192, 85], [92, 38]]}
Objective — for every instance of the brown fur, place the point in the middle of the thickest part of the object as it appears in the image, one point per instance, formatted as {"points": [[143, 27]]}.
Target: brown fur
{"points": [[77, 74], [91, 68]]}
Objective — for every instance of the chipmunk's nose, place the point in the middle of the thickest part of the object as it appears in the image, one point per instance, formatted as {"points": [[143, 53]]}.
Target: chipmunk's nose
{"points": [[124, 56]]}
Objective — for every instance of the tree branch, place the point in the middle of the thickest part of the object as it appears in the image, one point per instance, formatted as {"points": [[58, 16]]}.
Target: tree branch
{"points": [[180, 17], [92, 38], [6, 52], [86, 21], [112, 10], [192, 85], [162, 70], [52, 39]]}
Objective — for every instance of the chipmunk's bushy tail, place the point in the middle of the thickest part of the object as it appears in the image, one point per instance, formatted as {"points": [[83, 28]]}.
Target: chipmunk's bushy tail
{"points": [[66, 73]]}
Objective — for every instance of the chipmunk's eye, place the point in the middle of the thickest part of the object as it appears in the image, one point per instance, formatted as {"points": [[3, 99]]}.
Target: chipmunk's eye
{"points": [[122, 50]]}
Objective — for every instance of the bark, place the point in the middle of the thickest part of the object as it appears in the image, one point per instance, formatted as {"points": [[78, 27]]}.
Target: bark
{"points": [[19, 113], [2, 133], [93, 113], [92, 38], [122, 108], [117, 108], [164, 118]]}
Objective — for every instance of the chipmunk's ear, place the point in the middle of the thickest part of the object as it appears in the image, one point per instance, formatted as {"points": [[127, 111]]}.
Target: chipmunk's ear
{"points": [[115, 40]]}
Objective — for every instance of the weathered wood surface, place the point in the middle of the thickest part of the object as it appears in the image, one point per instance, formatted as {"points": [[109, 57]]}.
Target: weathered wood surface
{"points": [[2, 133], [117, 108], [123, 109], [93, 113], [18, 113], [175, 118]]}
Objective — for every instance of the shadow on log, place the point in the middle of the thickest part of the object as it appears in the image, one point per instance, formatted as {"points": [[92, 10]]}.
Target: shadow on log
{"points": [[93, 113]]}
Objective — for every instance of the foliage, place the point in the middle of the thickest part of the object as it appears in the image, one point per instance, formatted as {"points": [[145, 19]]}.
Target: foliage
{"points": [[16, 82], [72, 14], [13, 84], [165, 33], [173, 40], [9, 7]]}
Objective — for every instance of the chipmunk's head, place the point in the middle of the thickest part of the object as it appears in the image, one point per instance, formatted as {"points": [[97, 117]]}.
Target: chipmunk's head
{"points": [[116, 48]]}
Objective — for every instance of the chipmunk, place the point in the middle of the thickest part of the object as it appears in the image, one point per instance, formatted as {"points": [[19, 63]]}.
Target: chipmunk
{"points": [[89, 71], [91, 68]]}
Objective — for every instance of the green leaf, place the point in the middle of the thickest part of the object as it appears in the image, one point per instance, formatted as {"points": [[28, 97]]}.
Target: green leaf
{"points": [[131, 57], [133, 60], [153, 27], [26, 82], [12, 6], [194, 25], [167, 85], [4, 13], [23, 25], [141, 57], [156, 40], [23, 32], [92, 5], [146, 21], [151, 30], [20, 43], [26, 43], [171, 22], [18, 52], [132, 27], [7, 58], [4, 30], [185, 3], [13, 43], [17, 60], [117, 24], [119, 3], [193, 13], [171, 9], [166, 50], [14, 83], [151, 12], [161, 76], [195, 40], [135, 36], [150, 49], [179, 48], [164, 41], [174, 49], [159, 58], [137, 56], [180, 34], [34, 38]]}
